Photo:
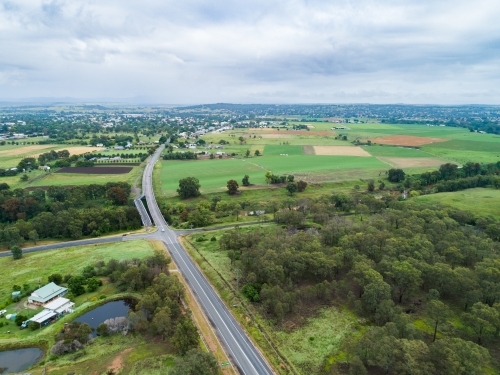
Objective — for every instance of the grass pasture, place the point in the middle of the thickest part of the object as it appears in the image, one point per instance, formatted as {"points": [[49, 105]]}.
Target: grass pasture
{"points": [[40, 265], [480, 201], [214, 174]]}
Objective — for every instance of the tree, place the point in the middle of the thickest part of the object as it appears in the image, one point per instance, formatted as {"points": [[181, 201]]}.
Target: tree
{"points": [[117, 195], [454, 356], [189, 187], [301, 186], [257, 153], [438, 312], [162, 321], [195, 362], [371, 185], [185, 336], [381, 186], [232, 187], [76, 285], [396, 175], [55, 278], [24, 177], [405, 278], [482, 319], [247, 153], [93, 284], [33, 236], [241, 139], [246, 180], [292, 188], [102, 330], [17, 252]]}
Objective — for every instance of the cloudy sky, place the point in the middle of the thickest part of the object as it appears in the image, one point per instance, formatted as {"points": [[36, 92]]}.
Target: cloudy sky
{"points": [[252, 51]]}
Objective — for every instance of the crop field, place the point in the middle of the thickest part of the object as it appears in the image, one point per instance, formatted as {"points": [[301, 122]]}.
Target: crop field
{"points": [[62, 179], [11, 155], [315, 155], [95, 170], [480, 201]]}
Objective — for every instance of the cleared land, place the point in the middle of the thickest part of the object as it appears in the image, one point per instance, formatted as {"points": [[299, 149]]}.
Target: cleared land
{"points": [[480, 201], [95, 170], [412, 162], [340, 151], [407, 140]]}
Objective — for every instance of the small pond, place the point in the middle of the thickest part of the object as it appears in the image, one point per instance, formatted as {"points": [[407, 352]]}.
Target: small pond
{"points": [[109, 310], [19, 360]]}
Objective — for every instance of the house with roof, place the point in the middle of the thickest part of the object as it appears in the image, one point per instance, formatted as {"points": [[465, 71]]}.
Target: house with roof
{"points": [[46, 294]]}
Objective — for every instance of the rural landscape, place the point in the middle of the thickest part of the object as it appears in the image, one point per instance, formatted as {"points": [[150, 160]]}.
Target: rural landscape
{"points": [[339, 244]]}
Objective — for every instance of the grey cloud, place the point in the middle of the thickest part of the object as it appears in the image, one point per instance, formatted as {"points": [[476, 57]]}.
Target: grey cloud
{"points": [[292, 50]]}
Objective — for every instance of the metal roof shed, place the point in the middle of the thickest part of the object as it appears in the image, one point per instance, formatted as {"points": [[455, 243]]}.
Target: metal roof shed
{"points": [[43, 316]]}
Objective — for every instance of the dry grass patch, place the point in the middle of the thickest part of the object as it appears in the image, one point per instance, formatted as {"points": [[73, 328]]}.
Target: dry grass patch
{"points": [[308, 150], [407, 140], [77, 150], [412, 162], [340, 151], [24, 150]]}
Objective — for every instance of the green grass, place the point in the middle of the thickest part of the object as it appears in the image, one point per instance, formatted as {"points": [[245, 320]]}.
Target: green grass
{"points": [[38, 266], [214, 174], [62, 179], [283, 149], [139, 355], [480, 201], [321, 337]]}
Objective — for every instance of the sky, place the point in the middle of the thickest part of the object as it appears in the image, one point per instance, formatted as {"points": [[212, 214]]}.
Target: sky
{"points": [[251, 51]]}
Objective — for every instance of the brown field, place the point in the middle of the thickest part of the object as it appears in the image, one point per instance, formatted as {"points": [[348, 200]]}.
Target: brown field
{"points": [[77, 150], [340, 151], [308, 150], [412, 162], [24, 150], [407, 140], [95, 170]]}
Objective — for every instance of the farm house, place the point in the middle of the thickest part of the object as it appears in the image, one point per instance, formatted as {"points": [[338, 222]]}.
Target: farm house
{"points": [[46, 294]]}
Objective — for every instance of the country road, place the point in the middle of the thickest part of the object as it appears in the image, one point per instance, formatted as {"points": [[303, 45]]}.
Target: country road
{"points": [[246, 357]]}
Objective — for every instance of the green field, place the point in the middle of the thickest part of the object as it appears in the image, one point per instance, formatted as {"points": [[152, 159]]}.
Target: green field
{"points": [[214, 174], [480, 201], [40, 265], [61, 179]]}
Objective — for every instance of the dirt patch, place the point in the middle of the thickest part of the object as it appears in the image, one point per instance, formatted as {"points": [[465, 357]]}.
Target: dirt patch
{"points": [[411, 162], [95, 170], [340, 150], [407, 140], [117, 363], [24, 150], [308, 150]]}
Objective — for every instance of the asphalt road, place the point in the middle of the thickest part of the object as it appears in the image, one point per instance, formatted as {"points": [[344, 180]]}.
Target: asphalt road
{"points": [[247, 359]]}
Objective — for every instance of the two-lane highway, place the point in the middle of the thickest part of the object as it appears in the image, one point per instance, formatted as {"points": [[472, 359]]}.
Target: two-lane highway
{"points": [[245, 355]]}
